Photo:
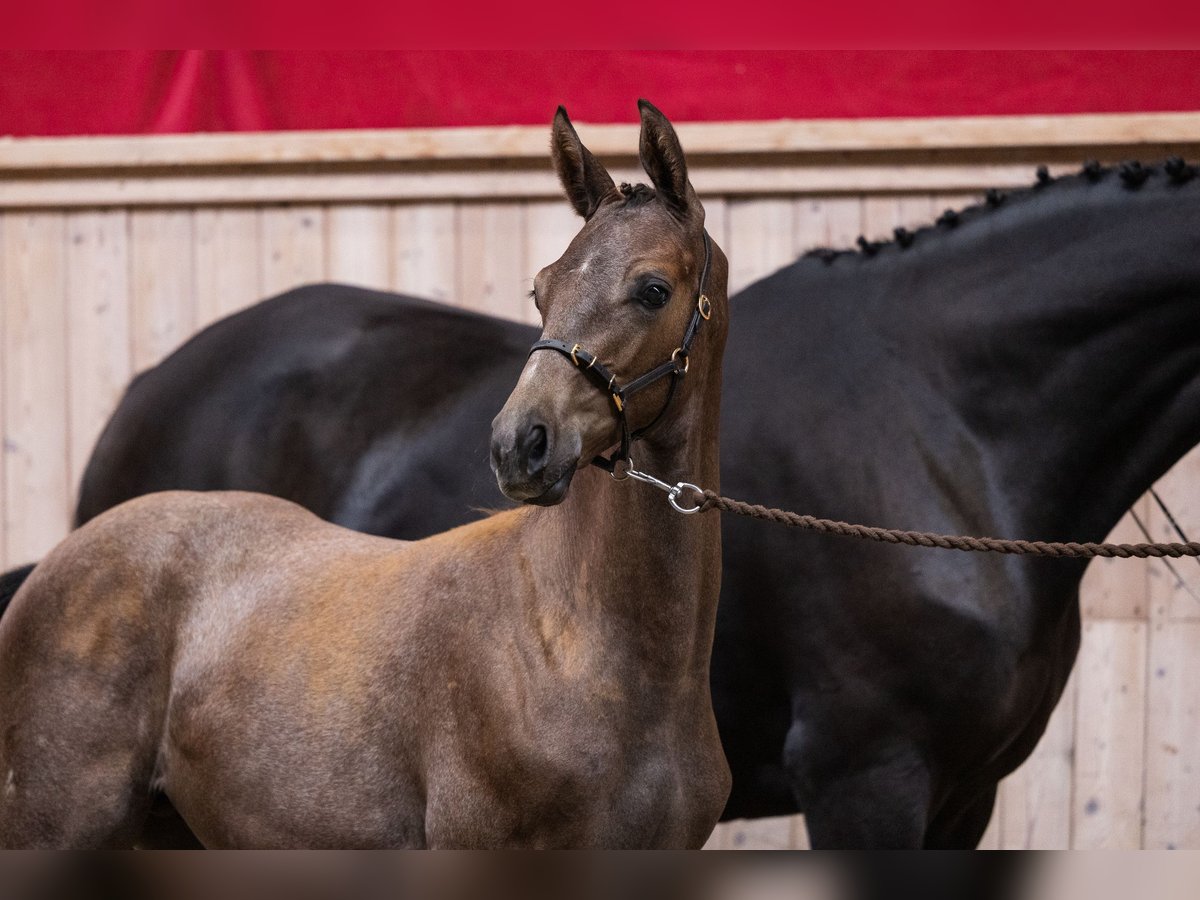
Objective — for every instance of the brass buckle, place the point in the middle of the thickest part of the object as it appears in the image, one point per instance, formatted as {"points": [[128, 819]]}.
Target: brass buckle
{"points": [[574, 358], [617, 402], [705, 307], [675, 354]]}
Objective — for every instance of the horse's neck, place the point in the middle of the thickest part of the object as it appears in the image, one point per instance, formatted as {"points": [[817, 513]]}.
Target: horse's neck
{"points": [[615, 560], [1069, 349]]}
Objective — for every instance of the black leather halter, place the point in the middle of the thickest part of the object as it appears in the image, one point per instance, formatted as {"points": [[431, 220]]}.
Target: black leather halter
{"points": [[605, 379]]}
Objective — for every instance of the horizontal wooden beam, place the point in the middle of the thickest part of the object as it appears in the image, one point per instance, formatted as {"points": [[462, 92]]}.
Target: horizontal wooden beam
{"points": [[531, 142], [727, 159]]}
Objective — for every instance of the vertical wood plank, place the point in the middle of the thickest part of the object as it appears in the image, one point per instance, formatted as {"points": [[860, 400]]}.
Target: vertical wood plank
{"points": [[360, 244], [1110, 733], [425, 251], [549, 228], [1180, 491], [492, 259], [1173, 736], [774, 833], [37, 487], [1119, 588], [832, 222], [1036, 800], [293, 247], [98, 328], [228, 262], [163, 312], [883, 214], [761, 239]]}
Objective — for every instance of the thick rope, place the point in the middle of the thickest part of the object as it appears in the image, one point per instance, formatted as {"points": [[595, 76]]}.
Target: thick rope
{"points": [[948, 541]]}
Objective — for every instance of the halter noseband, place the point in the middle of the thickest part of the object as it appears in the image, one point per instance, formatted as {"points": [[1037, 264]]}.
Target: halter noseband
{"points": [[605, 379]]}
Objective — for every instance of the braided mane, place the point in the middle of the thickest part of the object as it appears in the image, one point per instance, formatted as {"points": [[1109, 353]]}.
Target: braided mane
{"points": [[1133, 175]]}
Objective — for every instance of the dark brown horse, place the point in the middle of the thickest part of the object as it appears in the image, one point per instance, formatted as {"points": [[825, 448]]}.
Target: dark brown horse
{"points": [[537, 678]]}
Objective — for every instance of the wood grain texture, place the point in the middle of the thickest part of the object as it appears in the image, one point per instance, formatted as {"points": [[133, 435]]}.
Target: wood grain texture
{"points": [[425, 251], [1120, 591], [1177, 592], [293, 247], [99, 338], [703, 139], [761, 239], [550, 225], [492, 259], [163, 308], [360, 244], [1110, 735], [228, 262], [1173, 736], [35, 435]]}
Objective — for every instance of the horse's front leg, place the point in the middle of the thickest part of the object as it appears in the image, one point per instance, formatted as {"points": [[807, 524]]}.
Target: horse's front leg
{"points": [[871, 802]]}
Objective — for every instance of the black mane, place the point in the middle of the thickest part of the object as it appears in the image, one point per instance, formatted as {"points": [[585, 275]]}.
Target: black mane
{"points": [[1133, 176]]}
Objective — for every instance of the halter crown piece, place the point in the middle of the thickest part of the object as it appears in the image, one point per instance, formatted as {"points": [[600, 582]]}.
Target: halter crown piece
{"points": [[605, 379]]}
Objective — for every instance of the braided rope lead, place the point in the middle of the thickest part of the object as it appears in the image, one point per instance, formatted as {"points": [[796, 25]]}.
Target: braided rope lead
{"points": [[947, 541]]}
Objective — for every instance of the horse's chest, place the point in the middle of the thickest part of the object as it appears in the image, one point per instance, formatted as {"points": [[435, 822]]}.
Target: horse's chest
{"points": [[593, 788], [556, 805]]}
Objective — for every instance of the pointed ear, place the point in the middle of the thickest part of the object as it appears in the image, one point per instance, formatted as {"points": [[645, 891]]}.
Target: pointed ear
{"points": [[586, 182], [662, 158]]}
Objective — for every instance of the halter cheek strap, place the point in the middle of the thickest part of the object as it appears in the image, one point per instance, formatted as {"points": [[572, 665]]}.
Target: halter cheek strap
{"points": [[605, 379]]}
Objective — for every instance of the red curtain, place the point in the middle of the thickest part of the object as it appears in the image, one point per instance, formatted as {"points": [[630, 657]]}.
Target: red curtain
{"points": [[124, 92]]}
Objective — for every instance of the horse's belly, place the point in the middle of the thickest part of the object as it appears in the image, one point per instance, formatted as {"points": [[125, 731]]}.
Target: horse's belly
{"points": [[226, 809], [258, 774]]}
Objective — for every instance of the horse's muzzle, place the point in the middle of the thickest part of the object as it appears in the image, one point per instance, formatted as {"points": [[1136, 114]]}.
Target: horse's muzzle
{"points": [[530, 463]]}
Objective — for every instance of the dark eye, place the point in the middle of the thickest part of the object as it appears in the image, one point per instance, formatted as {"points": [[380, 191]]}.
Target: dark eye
{"points": [[653, 295]]}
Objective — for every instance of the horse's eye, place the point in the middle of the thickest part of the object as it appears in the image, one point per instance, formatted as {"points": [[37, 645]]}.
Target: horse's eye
{"points": [[654, 295]]}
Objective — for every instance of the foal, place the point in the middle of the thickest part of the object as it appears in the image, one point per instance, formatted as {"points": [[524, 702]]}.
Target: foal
{"points": [[538, 678]]}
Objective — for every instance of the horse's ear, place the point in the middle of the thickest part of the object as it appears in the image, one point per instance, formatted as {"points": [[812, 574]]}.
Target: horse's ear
{"points": [[662, 158], [585, 180]]}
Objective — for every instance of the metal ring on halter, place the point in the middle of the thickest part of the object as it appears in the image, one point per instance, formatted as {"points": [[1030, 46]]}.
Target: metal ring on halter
{"points": [[622, 465], [675, 354], [705, 307], [673, 498]]}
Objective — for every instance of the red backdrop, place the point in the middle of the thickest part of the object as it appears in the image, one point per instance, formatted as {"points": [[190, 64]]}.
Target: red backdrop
{"points": [[115, 92]]}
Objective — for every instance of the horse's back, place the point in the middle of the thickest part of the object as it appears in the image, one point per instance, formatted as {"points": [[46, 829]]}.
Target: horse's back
{"points": [[259, 400]]}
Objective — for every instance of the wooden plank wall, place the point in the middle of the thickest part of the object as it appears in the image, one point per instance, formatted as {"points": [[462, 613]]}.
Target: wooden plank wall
{"points": [[89, 296]]}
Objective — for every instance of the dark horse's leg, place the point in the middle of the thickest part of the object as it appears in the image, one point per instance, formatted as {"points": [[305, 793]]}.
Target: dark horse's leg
{"points": [[960, 826], [866, 802]]}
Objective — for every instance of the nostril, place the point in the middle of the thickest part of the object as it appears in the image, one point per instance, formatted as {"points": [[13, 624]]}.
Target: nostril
{"points": [[534, 449]]}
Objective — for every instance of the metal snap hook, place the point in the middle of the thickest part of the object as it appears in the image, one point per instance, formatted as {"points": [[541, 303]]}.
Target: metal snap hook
{"points": [[675, 492]]}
